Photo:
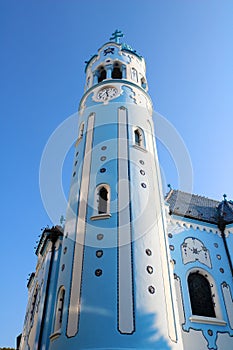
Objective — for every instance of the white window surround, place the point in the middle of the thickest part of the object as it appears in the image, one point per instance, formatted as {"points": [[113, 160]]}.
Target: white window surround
{"points": [[217, 308], [207, 320], [140, 148], [100, 217], [140, 143], [106, 215], [55, 335]]}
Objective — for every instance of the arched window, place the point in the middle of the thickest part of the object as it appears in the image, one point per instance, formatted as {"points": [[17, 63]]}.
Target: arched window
{"points": [[134, 74], [139, 137], [101, 74], [81, 129], [33, 305], [59, 310], [116, 72], [143, 83], [200, 295], [103, 200]]}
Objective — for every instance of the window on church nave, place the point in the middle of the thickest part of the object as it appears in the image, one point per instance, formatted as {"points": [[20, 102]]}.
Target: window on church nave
{"points": [[200, 295]]}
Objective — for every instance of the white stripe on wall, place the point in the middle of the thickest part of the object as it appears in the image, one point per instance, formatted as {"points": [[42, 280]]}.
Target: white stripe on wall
{"points": [[125, 274], [74, 307]]}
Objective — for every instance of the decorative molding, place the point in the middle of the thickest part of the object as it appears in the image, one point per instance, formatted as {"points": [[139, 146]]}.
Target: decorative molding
{"points": [[177, 225], [194, 250]]}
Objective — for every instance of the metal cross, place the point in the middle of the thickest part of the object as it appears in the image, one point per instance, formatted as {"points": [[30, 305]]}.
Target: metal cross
{"points": [[116, 36]]}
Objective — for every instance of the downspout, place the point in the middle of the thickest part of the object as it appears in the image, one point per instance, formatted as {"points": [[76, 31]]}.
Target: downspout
{"points": [[222, 226]]}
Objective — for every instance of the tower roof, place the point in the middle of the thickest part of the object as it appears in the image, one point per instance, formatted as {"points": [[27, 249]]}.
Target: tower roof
{"points": [[199, 207]]}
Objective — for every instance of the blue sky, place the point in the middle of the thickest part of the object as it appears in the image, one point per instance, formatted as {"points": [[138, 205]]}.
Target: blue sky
{"points": [[188, 48]]}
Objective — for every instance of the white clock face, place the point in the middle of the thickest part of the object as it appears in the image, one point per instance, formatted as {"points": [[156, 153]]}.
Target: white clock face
{"points": [[107, 93]]}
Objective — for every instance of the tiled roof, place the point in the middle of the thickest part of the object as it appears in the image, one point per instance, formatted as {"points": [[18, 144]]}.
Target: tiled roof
{"points": [[199, 207]]}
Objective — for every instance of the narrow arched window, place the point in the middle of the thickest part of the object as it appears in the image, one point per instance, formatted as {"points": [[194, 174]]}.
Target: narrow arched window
{"points": [[59, 310], [139, 137], [116, 72], [143, 83], [102, 74], [103, 200], [134, 74], [81, 130], [200, 295]]}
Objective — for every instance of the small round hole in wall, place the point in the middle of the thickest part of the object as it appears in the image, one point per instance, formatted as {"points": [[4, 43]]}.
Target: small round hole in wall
{"points": [[216, 245], [221, 270], [148, 252], [143, 185], [103, 158], [74, 173], [171, 247], [141, 162], [99, 253], [142, 172], [218, 256], [76, 162], [100, 236], [76, 154], [149, 269], [98, 272], [104, 148], [65, 250], [63, 267], [170, 235], [210, 332], [151, 289], [102, 170]]}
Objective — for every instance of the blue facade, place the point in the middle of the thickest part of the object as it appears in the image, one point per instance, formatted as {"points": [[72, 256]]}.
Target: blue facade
{"points": [[118, 277]]}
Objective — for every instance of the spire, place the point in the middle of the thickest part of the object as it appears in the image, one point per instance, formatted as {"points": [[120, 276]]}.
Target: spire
{"points": [[116, 36]]}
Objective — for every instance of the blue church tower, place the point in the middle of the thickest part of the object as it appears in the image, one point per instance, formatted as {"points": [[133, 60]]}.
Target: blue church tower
{"points": [[121, 274]]}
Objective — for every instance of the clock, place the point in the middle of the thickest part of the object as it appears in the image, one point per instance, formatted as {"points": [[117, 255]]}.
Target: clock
{"points": [[107, 93]]}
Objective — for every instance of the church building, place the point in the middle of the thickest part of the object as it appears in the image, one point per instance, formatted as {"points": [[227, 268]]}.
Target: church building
{"points": [[130, 269]]}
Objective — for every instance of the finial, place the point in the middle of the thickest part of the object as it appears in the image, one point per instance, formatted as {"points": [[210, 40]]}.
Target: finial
{"points": [[224, 196], [169, 186], [116, 36]]}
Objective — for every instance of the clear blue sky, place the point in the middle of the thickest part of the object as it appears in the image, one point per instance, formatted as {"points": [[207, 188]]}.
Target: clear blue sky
{"points": [[188, 48]]}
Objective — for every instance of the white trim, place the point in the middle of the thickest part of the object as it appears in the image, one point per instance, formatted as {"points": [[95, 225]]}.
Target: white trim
{"points": [[100, 216], [125, 273], [209, 320], [140, 148], [55, 335], [74, 307]]}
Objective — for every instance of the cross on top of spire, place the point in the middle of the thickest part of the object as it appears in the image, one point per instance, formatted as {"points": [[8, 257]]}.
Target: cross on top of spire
{"points": [[116, 36]]}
